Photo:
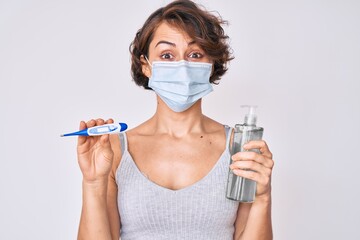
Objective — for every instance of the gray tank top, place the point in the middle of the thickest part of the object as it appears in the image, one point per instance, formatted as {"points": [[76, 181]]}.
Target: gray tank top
{"points": [[151, 212]]}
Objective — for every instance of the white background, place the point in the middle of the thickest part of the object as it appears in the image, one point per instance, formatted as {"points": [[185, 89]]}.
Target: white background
{"points": [[66, 61]]}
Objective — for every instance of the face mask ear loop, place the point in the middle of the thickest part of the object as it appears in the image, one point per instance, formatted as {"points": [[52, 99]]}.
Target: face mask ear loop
{"points": [[147, 60], [148, 63]]}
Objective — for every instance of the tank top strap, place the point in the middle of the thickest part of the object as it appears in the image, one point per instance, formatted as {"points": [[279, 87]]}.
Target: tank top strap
{"points": [[123, 142], [228, 131]]}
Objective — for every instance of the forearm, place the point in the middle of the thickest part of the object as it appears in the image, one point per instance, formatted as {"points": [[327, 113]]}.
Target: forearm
{"points": [[94, 222], [258, 225]]}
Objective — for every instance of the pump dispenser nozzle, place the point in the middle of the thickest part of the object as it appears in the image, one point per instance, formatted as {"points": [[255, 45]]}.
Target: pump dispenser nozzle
{"points": [[250, 117]]}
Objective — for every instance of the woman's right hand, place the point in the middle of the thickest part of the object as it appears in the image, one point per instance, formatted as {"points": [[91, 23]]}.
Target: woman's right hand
{"points": [[94, 153]]}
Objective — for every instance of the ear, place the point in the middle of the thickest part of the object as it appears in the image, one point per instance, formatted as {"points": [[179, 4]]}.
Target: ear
{"points": [[145, 67]]}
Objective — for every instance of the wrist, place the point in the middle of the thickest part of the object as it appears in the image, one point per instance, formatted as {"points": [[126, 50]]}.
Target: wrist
{"points": [[264, 198], [95, 187]]}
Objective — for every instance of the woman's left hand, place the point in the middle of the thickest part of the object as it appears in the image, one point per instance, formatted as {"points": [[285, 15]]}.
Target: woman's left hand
{"points": [[259, 164]]}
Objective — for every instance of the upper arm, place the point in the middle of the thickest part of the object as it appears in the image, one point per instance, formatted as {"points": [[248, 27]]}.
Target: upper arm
{"points": [[241, 219], [112, 206]]}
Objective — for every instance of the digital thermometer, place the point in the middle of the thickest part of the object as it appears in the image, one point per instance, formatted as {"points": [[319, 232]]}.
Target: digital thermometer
{"points": [[99, 130]]}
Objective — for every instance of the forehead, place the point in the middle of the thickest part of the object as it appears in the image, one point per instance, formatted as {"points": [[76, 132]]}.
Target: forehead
{"points": [[171, 33]]}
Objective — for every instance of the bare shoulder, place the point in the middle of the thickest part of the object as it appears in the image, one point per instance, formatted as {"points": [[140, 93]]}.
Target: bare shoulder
{"points": [[213, 126], [116, 144], [145, 128]]}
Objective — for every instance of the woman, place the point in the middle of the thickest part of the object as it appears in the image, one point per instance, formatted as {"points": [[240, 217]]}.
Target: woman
{"points": [[166, 178]]}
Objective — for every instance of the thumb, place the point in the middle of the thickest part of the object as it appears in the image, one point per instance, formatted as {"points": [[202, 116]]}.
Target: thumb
{"points": [[106, 145]]}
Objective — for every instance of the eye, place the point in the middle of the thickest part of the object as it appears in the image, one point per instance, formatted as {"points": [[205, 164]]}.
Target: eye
{"points": [[166, 56], [196, 55]]}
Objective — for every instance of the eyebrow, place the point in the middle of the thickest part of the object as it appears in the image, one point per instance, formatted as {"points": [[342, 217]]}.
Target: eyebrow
{"points": [[172, 44], [165, 42]]}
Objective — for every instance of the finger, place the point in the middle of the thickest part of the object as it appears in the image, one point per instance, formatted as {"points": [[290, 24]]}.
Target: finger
{"points": [[253, 156], [110, 120], [251, 165], [261, 145], [91, 123], [82, 139], [255, 176], [100, 121], [247, 174], [82, 125]]}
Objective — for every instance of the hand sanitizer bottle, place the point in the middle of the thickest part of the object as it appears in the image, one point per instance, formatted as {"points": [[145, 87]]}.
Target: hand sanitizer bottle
{"points": [[239, 188]]}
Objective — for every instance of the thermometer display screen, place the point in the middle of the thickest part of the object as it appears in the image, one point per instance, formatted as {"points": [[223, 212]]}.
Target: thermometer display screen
{"points": [[102, 129]]}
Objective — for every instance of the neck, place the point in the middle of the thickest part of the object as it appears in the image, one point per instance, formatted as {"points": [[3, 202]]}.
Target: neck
{"points": [[178, 123]]}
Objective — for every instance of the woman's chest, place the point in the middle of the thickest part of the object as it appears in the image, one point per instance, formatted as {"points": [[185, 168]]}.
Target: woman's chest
{"points": [[174, 163]]}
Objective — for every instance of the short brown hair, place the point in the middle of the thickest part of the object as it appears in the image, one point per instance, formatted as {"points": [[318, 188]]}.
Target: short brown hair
{"points": [[204, 27]]}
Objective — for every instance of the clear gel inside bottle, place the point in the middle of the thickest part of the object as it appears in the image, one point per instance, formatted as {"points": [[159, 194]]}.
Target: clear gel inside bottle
{"points": [[239, 188]]}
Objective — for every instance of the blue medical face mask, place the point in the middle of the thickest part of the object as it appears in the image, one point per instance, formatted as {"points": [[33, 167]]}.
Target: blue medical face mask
{"points": [[180, 84]]}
